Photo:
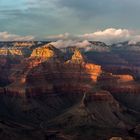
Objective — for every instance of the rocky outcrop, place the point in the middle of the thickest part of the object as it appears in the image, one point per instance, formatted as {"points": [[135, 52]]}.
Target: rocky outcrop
{"points": [[15, 51], [123, 88], [24, 44], [75, 75], [77, 57], [45, 91], [60, 77], [119, 83], [46, 52], [124, 78], [11, 51], [46, 72], [94, 112], [101, 96]]}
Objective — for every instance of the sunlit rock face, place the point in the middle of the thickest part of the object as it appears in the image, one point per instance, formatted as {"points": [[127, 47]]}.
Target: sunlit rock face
{"points": [[74, 75], [94, 70], [16, 49], [123, 88], [11, 51], [46, 52], [77, 57], [63, 78], [124, 78], [48, 91], [45, 71], [24, 44], [119, 83]]}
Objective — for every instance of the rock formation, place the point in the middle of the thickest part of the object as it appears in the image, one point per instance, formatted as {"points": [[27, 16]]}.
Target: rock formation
{"points": [[10, 51], [45, 52], [53, 90], [46, 72], [77, 57], [24, 44]]}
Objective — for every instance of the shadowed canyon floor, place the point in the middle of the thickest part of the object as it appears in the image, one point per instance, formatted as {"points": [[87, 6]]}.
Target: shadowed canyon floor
{"points": [[68, 94]]}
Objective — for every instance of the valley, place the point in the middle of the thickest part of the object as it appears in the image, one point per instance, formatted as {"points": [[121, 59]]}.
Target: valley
{"points": [[69, 93]]}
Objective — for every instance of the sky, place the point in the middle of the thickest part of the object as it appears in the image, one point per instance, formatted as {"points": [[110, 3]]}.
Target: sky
{"points": [[41, 19]]}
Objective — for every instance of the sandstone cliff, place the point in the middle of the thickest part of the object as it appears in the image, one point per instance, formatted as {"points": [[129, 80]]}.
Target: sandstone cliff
{"points": [[46, 52], [46, 72], [45, 91], [10, 51], [24, 44], [77, 57], [75, 75]]}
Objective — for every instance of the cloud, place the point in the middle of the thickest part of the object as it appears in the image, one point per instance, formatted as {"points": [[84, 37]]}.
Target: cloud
{"points": [[68, 43], [43, 17], [64, 36], [93, 8], [5, 36], [112, 35], [134, 39], [108, 36], [86, 8], [84, 45]]}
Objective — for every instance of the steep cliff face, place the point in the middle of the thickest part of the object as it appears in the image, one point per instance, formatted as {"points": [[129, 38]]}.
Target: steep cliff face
{"points": [[46, 52], [124, 78], [11, 51], [74, 74], [24, 44], [119, 83], [46, 72], [124, 88], [45, 91], [94, 112], [19, 67], [60, 77], [77, 57]]}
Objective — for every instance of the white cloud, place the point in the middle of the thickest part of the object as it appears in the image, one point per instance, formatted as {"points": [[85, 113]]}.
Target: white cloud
{"points": [[83, 44], [65, 36], [135, 39], [59, 36], [108, 36], [68, 43], [5, 36]]}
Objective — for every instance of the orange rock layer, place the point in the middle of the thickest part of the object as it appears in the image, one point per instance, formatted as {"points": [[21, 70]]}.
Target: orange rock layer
{"points": [[37, 74]]}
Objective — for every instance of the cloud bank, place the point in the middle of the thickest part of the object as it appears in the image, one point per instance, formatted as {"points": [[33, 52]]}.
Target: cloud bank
{"points": [[110, 9], [5, 36], [64, 36], [108, 36], [43, 17], [68, 43]]}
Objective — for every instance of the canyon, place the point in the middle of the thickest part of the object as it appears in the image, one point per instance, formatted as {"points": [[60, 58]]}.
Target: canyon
{"points": [[68, 93]]}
